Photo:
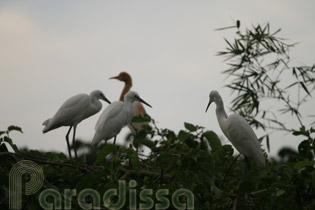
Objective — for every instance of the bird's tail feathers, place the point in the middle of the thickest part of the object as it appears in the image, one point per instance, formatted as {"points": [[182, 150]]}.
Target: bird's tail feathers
{"points": [[46, 122], [261, 162], [46, 128], [96, 140]]}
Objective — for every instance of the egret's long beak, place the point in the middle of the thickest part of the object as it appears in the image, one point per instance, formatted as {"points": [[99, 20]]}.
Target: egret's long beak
{"points": [[142, 101], [210, 101], [105, 99], [116, 77]]}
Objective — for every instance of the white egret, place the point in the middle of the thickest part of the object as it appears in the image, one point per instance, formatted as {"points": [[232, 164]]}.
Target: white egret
{"points": [[139, 109], [73, 111], [116, 116], [239, 132]]}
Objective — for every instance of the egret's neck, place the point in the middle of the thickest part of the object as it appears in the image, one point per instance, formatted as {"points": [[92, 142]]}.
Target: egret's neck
{"points": [[129, 106], [221, 114], [96, 103], [128, 100], [222, 117], [127, 87]]}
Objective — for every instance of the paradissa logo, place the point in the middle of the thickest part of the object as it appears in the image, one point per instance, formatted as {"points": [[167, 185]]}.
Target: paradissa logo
{"points": [[36, 179]]}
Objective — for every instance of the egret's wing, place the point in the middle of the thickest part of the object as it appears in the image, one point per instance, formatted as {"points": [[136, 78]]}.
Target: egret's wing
{"points": [[72, 109], [110, 122], [243, 138], [112, 111]]}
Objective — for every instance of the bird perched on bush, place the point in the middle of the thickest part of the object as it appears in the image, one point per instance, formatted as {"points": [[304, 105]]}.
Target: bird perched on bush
{"points": [[139, 109], [73, 111], [239, 132], [116, 116]]}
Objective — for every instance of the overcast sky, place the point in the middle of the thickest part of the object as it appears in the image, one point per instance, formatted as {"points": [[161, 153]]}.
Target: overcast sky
{"points": [[51, 50]]}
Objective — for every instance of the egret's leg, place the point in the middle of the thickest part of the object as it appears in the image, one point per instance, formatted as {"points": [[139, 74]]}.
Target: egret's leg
{"points": [[73, 142], [115, 140], [237, 197], [67, 138], [246, 169]]}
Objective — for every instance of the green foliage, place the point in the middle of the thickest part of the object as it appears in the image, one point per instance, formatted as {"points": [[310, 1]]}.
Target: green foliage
{"points": [[5, 138], [139, 118], [213, 140], [133, 160], [193, 159], [107, 149]]}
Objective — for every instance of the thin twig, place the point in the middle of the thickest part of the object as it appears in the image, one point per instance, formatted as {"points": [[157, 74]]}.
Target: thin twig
{"points": [[85, 168]]}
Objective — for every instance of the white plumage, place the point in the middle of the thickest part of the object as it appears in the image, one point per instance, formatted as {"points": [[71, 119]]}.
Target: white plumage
{"points": [[238, 131], [74, 110], [116, 116]]}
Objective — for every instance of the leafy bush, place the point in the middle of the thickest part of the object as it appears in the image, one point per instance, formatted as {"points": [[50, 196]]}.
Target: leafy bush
{"points": [[193, 159]]}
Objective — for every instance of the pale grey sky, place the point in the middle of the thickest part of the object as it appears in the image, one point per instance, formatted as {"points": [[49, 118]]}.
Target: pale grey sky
{"points": [[51, 50]]}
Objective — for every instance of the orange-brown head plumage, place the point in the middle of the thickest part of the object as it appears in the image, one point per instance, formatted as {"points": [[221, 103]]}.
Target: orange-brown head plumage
{"points": [[124, 77]]}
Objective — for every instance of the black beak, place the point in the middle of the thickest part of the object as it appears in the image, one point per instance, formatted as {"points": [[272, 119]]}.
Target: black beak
{"points": [[105, 99], [210, 101], [142, 101]]}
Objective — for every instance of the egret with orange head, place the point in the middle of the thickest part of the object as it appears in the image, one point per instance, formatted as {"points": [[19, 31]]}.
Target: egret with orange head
{"points": [[116, 116], [139, 109]]}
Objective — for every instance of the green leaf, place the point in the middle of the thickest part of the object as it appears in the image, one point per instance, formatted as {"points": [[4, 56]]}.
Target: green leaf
{"points": [[4, 180], [207, 161], [145, 142], [238, 24], [139, 118], [190, 127], [107, 149], [296, 133], [9, 141], [302, 131], [279, 193], [90, 179], [217, 192], [305, 88], [3, 148], [304, 148], [2, 132], [183, 136], [268, 144], [213, 139], [133, 159], [14, 147], [15, 128], [302, 164], [228, 149]]}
